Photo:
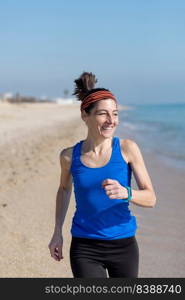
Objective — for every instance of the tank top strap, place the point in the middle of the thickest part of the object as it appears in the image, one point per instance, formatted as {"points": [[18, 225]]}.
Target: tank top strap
{"points": [[75, 164], [116, 153], [115, 147], [77, 150]]}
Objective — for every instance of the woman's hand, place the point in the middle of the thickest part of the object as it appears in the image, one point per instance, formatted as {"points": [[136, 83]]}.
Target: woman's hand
{"points": [[55, 246], [114, 189]]}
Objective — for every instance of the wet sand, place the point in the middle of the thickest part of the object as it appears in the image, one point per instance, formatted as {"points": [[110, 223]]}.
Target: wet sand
{"points": [[31, 138]]}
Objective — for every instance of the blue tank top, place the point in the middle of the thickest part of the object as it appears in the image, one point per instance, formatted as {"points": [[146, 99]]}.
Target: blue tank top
{"points": [[97, 216]]}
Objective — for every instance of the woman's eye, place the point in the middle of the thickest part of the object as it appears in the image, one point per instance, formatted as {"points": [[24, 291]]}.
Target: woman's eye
{"points": [[105, 114]]}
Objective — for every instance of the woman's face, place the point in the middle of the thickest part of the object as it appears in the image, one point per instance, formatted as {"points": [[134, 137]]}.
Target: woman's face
{"points": [[103, 118]]}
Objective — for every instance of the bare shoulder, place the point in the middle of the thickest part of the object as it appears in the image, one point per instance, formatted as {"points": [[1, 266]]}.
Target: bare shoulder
{"points": [[66, 157], [130, 150]]}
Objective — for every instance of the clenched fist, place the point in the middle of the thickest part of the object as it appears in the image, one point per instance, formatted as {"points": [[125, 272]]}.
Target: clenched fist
{"points": [[114, 189]]}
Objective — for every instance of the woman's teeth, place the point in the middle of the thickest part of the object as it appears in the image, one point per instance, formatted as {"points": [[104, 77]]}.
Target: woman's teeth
{"points": [[107, 128]]}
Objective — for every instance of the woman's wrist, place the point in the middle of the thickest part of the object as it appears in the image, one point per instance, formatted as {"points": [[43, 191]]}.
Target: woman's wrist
{"points": [[58, 229], [129, 192]]}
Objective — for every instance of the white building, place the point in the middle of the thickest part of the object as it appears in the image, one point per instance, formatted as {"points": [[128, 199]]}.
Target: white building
{"points": [[65, 100], [4, 97]]}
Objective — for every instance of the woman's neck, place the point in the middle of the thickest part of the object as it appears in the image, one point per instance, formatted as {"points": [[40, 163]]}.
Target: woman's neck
{"points": [[97, 145]]}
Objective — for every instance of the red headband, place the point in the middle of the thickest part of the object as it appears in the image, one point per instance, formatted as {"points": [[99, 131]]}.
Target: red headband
{"points": [[99, 95]]}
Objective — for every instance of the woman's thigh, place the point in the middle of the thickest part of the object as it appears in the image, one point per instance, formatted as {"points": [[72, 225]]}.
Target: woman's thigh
{"points": [[85, 260], [87, 268], [124, 260]]}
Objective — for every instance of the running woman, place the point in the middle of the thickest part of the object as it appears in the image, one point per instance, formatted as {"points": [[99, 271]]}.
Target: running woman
{"points": [[103, 230]]}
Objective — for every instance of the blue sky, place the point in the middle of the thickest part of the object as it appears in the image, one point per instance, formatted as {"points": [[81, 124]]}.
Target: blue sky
{"points": [[136, 48]]}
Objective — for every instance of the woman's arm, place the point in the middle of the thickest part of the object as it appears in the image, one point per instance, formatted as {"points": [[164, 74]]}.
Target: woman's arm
{"points": [[64, 190], [145, 196], [62, 203]]}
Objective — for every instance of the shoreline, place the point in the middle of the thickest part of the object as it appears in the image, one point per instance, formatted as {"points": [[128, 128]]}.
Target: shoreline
{"points": [[157, 130], [29, 178]]}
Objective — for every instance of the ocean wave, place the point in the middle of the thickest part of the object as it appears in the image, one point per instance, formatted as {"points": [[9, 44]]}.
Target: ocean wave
{"points": [[129, 125]]}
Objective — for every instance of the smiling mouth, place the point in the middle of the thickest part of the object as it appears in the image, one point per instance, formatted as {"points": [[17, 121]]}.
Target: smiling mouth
{"points": [[107, 128]]}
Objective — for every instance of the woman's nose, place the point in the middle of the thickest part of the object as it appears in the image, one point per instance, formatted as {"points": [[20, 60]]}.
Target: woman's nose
{"points": [[110, 119]]}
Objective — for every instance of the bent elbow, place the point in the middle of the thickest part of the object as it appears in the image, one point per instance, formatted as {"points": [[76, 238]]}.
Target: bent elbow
{"points": [[153, 201]]}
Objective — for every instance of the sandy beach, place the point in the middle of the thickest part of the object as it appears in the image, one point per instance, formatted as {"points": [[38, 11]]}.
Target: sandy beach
{"points": [[31, 138]]}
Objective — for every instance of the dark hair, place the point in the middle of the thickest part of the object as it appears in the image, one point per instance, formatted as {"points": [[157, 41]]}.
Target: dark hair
{"points": [[85, 86]]}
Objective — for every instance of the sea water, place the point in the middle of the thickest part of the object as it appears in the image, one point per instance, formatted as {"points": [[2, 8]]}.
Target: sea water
{"points": [[157, 128]]}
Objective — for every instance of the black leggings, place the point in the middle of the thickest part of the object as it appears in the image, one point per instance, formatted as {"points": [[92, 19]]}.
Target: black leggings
{"points": [[95, 258]]}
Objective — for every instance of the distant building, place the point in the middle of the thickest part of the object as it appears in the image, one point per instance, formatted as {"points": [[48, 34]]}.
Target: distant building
{"points": [[64, 100], [5, 96]]}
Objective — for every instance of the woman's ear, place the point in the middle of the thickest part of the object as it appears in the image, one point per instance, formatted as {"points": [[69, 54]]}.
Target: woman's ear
{"points": [[84, 115]]}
